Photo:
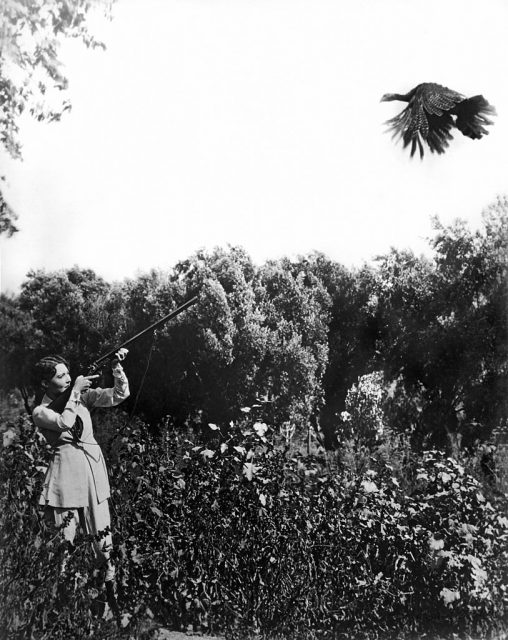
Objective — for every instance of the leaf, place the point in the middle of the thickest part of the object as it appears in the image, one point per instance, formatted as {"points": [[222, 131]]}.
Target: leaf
{"points": [[260, 428], [249, 470], [436, 544], [369, 486], [245, 409], [479, 576], [262, 499], [125, 619], [212, 426], [207, 453], [474, 561], [449, 595], [503, 521], [8, 437], [157, 512]]}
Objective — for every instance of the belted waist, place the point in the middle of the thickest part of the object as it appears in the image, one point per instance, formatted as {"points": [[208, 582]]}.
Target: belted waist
{"points": [[91, 449]]}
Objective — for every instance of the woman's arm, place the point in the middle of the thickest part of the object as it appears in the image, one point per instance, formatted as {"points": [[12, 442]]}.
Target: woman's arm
{"points": [[46, 418], [109, 397]]}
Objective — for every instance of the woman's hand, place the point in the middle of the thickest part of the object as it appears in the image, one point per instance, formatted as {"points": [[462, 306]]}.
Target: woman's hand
{"points": [[119, 356], [83, 383]]}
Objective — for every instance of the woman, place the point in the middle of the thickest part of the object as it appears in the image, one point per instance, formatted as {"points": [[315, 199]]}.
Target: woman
{"points": [[76, 486]]}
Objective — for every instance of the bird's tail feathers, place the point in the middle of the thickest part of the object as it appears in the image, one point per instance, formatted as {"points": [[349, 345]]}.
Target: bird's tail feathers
{"points": [[473, 115]]}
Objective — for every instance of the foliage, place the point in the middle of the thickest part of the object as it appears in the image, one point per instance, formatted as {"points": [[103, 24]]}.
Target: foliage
{"points": [[236, 533], [16, 327], [72, 312], [443, 338], [296, 334], [7, 216], [210, 356], [254, 333], [364, 415], [31, 77], [352, 334], [295, 306]]}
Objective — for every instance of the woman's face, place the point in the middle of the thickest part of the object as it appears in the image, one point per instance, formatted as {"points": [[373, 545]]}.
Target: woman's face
{"points": [[59, 382]]}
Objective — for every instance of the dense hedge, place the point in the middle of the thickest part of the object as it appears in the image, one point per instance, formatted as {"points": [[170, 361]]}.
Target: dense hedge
{"points": [[238, 533]]}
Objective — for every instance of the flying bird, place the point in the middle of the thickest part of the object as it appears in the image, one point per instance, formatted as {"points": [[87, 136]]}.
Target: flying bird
{"points": [[431, 114]]}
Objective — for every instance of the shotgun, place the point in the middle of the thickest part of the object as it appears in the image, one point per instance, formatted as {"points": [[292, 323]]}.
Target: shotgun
{"points": [[59, 403]]}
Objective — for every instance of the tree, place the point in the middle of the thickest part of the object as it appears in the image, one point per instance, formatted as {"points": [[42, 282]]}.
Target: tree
{"points": [[352, 334], [31, 78], [295, 306], [72, 312], [255, 334], [17, 331], [472, 277], [7, 217], [444, 337], [207, 361]]}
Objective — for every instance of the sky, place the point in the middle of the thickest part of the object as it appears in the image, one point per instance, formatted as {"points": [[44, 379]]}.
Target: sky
{"points": [[255, 123]]}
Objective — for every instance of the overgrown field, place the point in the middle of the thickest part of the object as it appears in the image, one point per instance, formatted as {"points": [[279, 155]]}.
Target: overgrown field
{"points": [[234, 531]]}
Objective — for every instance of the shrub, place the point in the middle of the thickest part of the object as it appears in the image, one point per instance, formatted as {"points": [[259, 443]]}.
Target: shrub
{"points": [[232, 533]]}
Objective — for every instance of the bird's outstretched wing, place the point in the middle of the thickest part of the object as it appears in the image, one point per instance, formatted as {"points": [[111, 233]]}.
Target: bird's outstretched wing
{"points": [[436, 99], [403, 127], [426, 118], [439, 132]]}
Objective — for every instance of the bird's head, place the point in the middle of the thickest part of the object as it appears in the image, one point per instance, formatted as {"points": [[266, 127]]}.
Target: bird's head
{"points": [[388, 97]]}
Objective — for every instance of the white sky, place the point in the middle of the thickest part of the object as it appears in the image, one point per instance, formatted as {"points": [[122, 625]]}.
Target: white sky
{"points": [[257, 123]]}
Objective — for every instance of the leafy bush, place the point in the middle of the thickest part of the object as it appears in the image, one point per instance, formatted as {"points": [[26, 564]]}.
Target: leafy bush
{"points": [[235, 533]]}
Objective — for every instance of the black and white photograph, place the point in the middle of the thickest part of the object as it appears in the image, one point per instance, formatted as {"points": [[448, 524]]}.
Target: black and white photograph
{"points": [[253, 319]]}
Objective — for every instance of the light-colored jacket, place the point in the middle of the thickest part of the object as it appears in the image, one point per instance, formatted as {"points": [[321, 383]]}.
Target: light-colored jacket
{"points": [[74, 463]]}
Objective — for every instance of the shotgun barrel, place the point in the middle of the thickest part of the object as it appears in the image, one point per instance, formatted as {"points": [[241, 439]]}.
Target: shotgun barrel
{"points": [[59, 403], [97, 363]]}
